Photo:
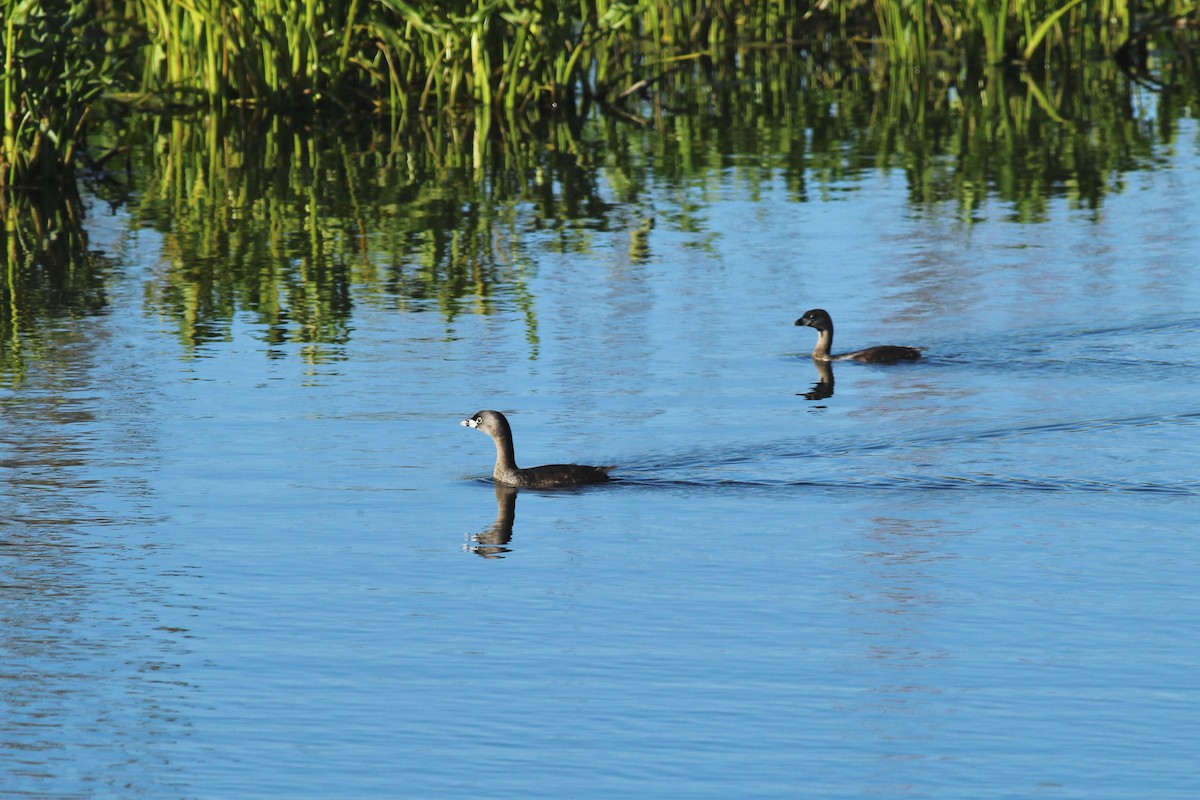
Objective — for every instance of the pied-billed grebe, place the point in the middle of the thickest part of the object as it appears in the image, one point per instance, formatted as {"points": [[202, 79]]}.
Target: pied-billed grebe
{"points": [[507, 472], [883, 354]]}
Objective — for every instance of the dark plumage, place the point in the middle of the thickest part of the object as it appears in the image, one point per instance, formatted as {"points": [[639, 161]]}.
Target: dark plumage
{"points": [[508, 473], [883, 354]]}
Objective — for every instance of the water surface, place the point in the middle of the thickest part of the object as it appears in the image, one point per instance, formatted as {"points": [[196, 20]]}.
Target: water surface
{"points": [[246, 563]]}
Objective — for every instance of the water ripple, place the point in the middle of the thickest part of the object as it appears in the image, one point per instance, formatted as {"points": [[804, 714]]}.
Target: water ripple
{"points": [[937, 483], [815, 447], [856, 461]]}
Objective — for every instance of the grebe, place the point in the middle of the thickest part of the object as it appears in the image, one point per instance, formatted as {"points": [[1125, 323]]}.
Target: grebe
{"points": [[508, 473], [883, 354]]}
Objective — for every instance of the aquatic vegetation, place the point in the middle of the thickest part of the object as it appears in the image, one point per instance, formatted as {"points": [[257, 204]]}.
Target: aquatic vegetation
{"points": [[399, 58], [442, 215], [55, 64], [405, 152]]}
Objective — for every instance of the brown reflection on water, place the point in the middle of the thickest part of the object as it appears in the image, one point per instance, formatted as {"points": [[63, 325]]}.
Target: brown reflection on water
{"points": [[492, 541], [823, 388]]}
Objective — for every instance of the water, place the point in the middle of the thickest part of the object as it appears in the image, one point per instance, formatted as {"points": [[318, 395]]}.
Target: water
{"points": [[260, 567]]}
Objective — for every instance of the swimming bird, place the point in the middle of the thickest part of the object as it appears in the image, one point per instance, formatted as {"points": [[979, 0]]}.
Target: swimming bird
{"points": [[882, 354], [507, 472]]}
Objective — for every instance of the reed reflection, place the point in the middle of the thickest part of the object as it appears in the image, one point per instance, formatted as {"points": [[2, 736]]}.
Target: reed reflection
{"points": [[51, 272], [492, 541], [453, 214]]}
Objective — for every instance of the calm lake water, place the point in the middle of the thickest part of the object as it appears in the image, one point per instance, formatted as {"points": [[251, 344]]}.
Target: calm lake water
{"points": [[259, 567]]}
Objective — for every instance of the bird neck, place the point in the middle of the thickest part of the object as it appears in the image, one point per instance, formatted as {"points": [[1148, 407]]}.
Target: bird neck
{"points": [[505, 459], [824, 344]]}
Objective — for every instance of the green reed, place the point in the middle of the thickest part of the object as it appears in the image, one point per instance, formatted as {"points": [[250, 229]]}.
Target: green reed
{"points": [[404, 57], [387, 54], [284, 220], [55, 64], [282, 225], [270, 51]]}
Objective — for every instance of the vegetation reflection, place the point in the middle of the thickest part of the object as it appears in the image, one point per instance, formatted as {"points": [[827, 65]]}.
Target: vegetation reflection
{"points": [[288, 223], [49, 273], [294, 226]]}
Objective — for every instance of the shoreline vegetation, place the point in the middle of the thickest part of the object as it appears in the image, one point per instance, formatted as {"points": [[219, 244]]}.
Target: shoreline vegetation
{"points": [[293, 156], [66, 61]]}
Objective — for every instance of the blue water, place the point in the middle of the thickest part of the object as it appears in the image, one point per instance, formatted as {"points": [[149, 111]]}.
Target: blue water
{"points": [[263, 569]]}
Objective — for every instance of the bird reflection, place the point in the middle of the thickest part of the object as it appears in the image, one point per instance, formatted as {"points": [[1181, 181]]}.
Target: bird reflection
{"points": [[824, 386], [491, 541]]}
